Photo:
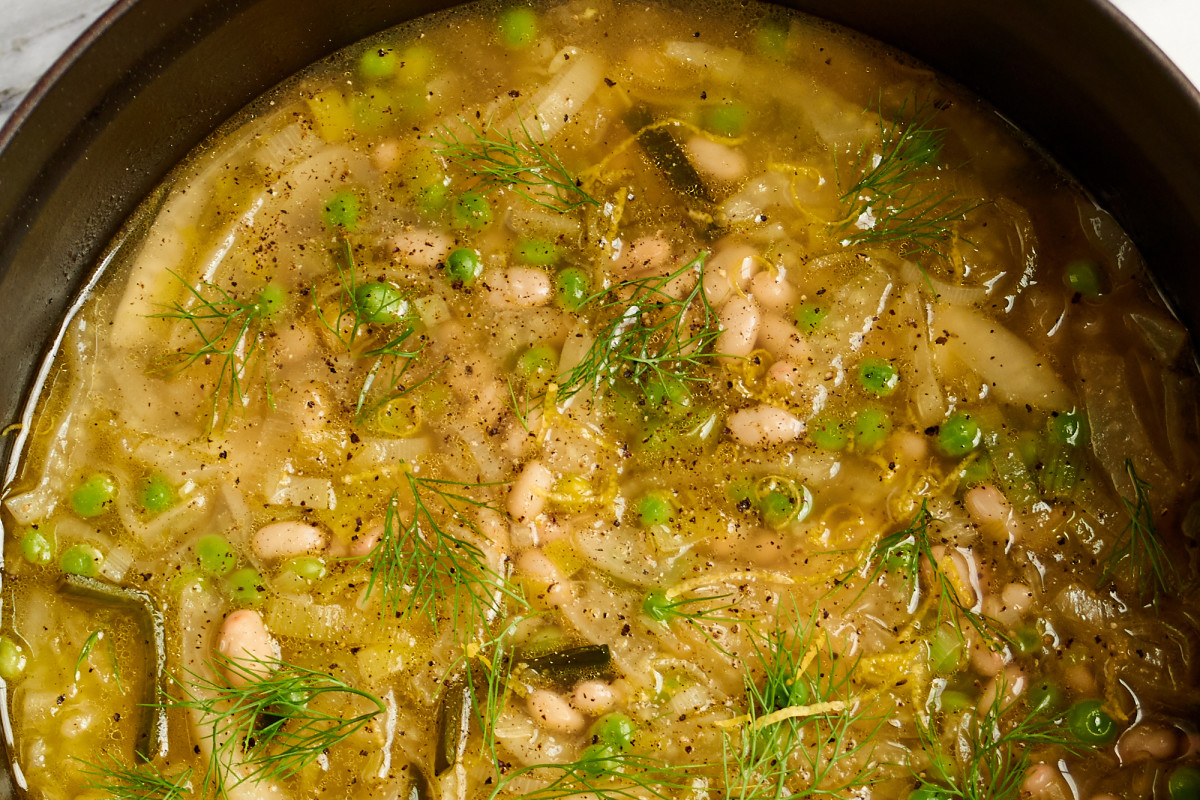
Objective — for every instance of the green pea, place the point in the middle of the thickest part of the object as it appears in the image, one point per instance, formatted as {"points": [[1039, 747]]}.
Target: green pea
{"points": [[12, 659], [37, 548], [1068, 427], [517, 27], [572, 286], [878, 376], [1045, 698], [1184, 783], [1083, 277], [310, 568], [656, 605], [341, 211], [927, 791], [771, 38], [741, 493], [464, 266], [93, 497], [1028, 640], [538, 362], [81, 559], [377, 63], [729, 119], [471, 211], [374, 110], [270, 300], [946, 651], [654, 509], [214, 555], [537, 252], [809, 316], [615, 730], [246, 587], [827, 432], [959, 434], [380, 303], [598, 759], [777, 509], [799, 692], [1090, 723], [872, 426], [156, 495]]}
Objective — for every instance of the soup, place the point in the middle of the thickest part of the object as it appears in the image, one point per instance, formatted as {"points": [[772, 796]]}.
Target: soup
{"points": [[606, 399]]}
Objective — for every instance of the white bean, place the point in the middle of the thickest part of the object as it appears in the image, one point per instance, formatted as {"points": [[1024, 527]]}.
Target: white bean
{"points": [[244, 639], [1148, 741], [420, 247], [716, 160], [784, 372], [739, 327], [286, 539], [780, 338], [385, 155], [594, 698], [527, 497], [552, 712], [647, 254], [518, 287], [1017, 598], [772, 289], [986, 661], [1041, 780], [992, 512], [764, 425], [730, 267], [1080, 680], [1015, 683], [536, 564], [364, 541]]}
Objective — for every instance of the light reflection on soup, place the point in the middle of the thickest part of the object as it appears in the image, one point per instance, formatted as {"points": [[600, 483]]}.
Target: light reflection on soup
{"points": [[612, 400]]}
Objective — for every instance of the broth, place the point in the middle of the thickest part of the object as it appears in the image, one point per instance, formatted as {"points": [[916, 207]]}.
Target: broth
{"points": [[612, 399]]}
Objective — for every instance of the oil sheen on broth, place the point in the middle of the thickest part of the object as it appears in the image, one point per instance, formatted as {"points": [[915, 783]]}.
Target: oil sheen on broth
{"points": [[611, 400]]}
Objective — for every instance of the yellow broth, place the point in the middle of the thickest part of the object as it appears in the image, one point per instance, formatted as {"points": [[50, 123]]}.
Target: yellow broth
{"points": [[612, 399]]}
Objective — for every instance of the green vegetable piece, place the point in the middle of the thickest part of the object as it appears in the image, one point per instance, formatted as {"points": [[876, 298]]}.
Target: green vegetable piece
{"points": [[94, 496], [157, 495], [463, 267], [878, 376], [471, 211], [1068, 428], [377, 63], [959, 435], [809, 316], [537, 252], [729, 119], [654, 509], [246, 587], [656, 605], [667, 393], [1091, 724], [872, 427], [598, 759], [1045, 698], [454, 724], [953, 701], [374, 110], [1028, 640], [777, 509], [309, 568], [380, 303], [977, 471], [572, 286], [827, 432], [615, 730], [1184, 783], [214, 555], [588, 656], [946, 650], [37, 548], [771, 38], [12, 659], [341, 211], [537, 363], [1083, 277], [81, 559], [517, 27], [270, 300], [927, 791]]}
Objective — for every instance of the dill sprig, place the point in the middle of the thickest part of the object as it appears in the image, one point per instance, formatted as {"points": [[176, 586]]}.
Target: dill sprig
{"points": [[666, 607], [604, 774], [650, 336], [1140, 546], [515, 159], [263, 719], [904, 549], [144, 782], [891, 200], [991, 753], [803, 724], [231, 333], [419, 564]]}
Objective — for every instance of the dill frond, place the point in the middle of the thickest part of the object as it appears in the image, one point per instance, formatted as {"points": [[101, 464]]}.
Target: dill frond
{"points": [[419, 565], [515, 159], [606, 775], [145, 782], [890, 200], [268, 724], [1139, 545]]}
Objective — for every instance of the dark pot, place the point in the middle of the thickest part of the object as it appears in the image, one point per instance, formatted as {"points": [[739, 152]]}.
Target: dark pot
{"points": [[152, 78]]}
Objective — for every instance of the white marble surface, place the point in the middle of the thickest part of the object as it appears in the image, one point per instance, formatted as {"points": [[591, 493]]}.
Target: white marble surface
{"points": [[33, 33]]}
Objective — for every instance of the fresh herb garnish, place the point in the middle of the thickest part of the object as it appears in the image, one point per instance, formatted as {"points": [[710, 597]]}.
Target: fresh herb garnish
{"points": [[603, 774], [266, 720], [514, 159], [419, 564], [891, 199], [144, 782], [1139, 545]]}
